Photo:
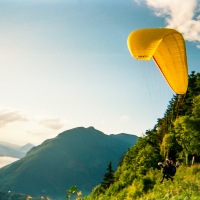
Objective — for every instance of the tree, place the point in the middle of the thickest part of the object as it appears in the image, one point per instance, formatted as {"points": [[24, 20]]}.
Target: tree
{"points": [[71, 191], [188, 130], [167, 144], [193, 90], [108, 177], [196, 107]]}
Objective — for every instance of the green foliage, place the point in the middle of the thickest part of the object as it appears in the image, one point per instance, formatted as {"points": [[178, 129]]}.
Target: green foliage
{"points": [[186, 185], [168, 143], [108, 178], [97, 191], [193, 91], [148, 184], [188, 129], [72, 191]]}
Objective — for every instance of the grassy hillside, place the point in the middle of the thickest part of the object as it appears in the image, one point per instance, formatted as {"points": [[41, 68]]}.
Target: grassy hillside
{"points": [[186, 185]]}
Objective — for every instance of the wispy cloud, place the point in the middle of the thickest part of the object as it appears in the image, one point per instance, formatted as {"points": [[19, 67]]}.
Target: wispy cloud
{"points": [[8, 115], [52, 123], [124, 118], [183, 16]]}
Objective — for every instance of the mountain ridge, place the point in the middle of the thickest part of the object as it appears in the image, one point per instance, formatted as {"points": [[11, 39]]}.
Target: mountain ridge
{"points": [[77, 156]]}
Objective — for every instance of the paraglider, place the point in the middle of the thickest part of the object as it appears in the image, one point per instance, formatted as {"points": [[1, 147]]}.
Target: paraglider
{"points": [[167, 48]]}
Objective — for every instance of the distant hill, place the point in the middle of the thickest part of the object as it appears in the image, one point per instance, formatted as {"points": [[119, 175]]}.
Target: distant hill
{"points": [[9, 195], [26, 147], [7, 151], [13, 150], [78, 157], [7, 144]]}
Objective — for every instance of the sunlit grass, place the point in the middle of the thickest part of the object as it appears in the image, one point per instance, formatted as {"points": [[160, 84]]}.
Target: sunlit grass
{"points": [[186, 185]]}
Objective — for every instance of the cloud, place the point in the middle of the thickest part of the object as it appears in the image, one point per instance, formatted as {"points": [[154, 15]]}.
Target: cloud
{"points": [[8, 116], [52, 123], [183, 16], [6, 160], [124, 118]]}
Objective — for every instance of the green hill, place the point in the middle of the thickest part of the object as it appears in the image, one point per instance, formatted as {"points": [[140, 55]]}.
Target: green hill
{"points": [[75, 157]]}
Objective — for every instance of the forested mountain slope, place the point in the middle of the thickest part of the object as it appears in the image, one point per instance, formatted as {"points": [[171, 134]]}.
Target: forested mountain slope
{"points": [[176, 136]]}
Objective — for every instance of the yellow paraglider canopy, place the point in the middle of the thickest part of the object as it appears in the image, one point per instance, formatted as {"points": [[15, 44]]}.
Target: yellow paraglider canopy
{"points": [[167, 48]]}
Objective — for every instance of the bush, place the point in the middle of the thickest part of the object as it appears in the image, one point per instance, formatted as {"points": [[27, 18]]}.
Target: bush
{"points": [[195, 169], [148, 184]]}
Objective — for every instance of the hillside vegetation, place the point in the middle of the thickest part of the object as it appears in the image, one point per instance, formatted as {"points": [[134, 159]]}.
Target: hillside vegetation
{"points": [[186, 185], [176, 136]]}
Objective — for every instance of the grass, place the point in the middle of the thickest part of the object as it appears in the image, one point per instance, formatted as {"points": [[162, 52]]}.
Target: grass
{"points": [[186, 186]]}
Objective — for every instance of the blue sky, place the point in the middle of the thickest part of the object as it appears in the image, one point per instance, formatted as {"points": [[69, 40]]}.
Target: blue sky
{"points": [[65, 64]]}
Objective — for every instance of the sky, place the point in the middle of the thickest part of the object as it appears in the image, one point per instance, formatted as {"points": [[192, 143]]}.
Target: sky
{"points": [[65, 64]]}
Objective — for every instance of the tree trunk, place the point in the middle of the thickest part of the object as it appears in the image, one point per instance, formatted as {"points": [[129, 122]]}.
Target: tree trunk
{"points": [[193, 160], [186, 158]]}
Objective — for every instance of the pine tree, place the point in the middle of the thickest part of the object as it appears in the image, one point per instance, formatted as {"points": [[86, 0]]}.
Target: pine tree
{"points": [[108, 177]]}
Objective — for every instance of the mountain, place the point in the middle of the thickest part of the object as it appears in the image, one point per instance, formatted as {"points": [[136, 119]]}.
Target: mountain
{"points": [[10, 152], [26, 147], [9, 195], [13, 150], [75, 157], [129, 139], [7, 144]]}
